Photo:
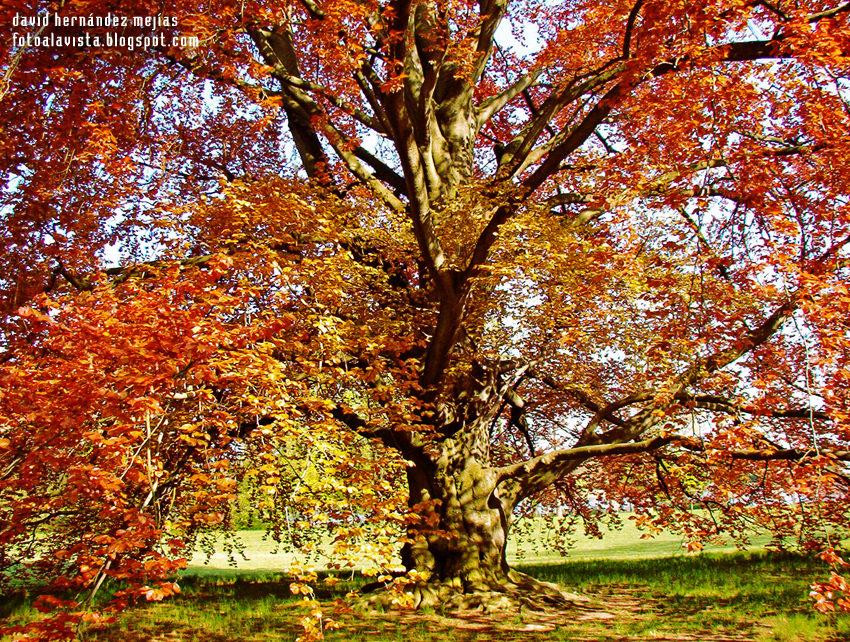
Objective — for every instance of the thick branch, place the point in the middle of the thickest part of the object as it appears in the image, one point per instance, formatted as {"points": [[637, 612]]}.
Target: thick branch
{"points": [[313, 9], [491, 106], [390, 438], [573, 141], [517, 151], [519, 418], [491, 12], [383, 171], [577, 136], [76, 282], [829, 13], [537, 473], [277, 52], [630, 25]]}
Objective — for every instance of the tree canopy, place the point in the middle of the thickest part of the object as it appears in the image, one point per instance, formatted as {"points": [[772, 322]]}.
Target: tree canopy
{"points": [[410, 267]]}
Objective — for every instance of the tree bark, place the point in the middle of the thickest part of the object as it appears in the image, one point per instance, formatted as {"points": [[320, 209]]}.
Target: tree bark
{"points": [[460, 546], [464, 541]]}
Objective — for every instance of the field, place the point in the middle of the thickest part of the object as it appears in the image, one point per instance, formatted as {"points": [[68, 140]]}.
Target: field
{"points": [[636, 589], [625, 543]]}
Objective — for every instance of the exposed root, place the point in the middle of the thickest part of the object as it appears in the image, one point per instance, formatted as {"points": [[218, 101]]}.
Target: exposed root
{"points": [[517, 593]]}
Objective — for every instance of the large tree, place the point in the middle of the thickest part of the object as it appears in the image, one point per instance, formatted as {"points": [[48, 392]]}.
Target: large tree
{"points": [[590, 255]]}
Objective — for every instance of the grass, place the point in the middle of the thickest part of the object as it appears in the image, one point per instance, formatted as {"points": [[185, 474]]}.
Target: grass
{"points": [[263, 554], [761, 595], [729, 596], [647, 592]]}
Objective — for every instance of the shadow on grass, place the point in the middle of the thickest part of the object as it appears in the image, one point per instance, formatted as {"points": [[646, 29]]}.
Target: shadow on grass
{"points": [[9, 604], [702, 597], [735, 593], [258, 585]]}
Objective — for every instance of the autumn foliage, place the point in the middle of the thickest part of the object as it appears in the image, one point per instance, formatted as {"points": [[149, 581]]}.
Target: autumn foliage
{"points": [[409, 269]]}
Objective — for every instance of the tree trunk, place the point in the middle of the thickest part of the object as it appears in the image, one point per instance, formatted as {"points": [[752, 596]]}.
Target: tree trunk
{"points": [[461, 548], [466, 534]]}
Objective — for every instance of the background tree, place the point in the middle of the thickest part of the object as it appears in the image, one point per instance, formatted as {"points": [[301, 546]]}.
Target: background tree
{"points": [[587, 255]]}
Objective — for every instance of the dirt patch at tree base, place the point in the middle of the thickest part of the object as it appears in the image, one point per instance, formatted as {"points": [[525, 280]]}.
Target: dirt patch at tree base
{"points": [[588, 619], [617, 613]]}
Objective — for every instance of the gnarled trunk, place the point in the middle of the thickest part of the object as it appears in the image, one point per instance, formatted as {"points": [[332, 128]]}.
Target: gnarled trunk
{"points": [[461, 547], [464, 544]]}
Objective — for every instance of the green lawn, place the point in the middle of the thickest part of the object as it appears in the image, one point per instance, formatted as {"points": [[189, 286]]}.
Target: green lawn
{"points": [[637, 589], [713, 596], [261, 553]]}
